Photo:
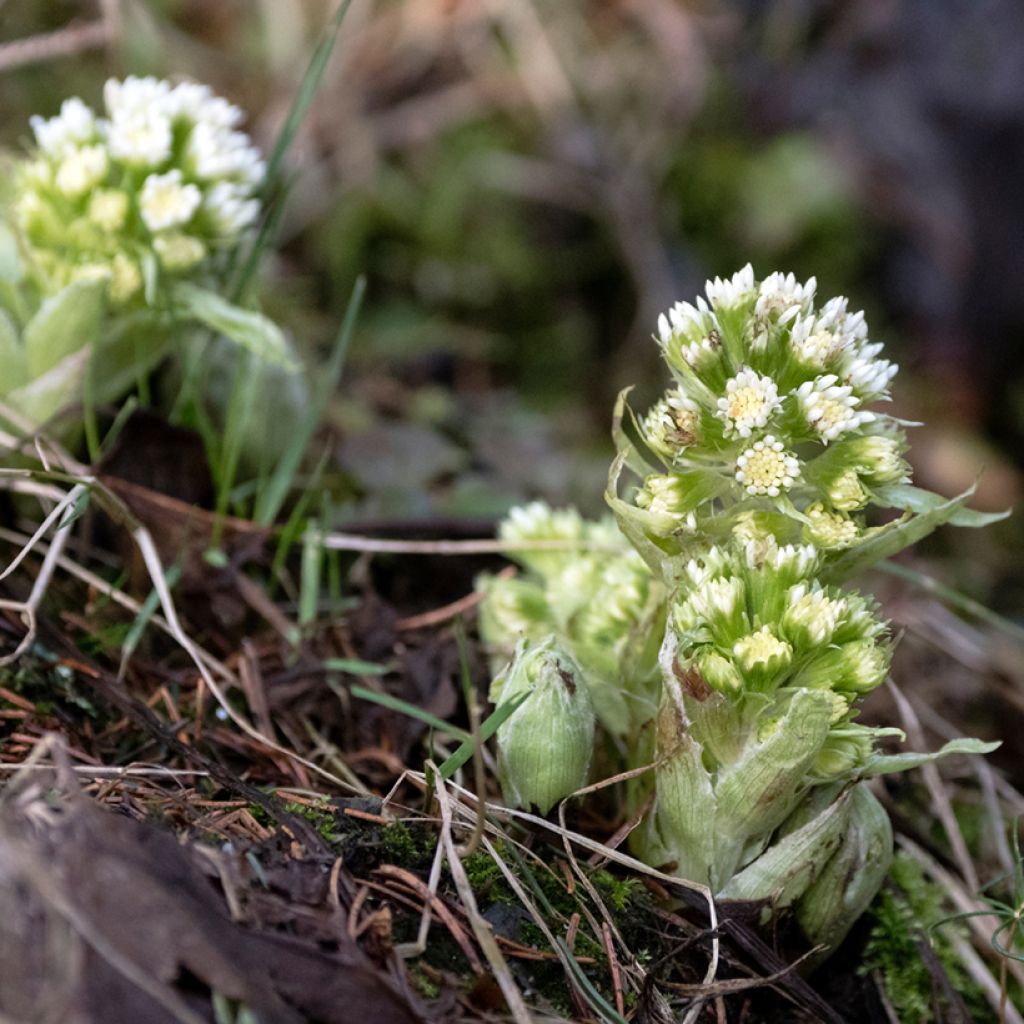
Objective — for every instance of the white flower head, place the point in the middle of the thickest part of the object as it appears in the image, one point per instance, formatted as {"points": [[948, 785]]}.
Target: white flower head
{"points": [[134, 95], [685, 319], [166, 201], [142, 138], [814, 342], [74, 126], [231, 209], [783, 297], [790, 561], [731, 291], [197, 103], [81, 170], [868, 375], [830, 408], [749, 402], [219, 154], [672, 423], [851, 328], [767, 468], [718, 603]]}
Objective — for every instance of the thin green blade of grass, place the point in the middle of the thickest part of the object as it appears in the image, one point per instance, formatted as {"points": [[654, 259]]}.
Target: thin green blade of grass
{"points": [[405, 708], [355, 667], [597, 1002], [299, 108], [488, 728], [273, 497], [296, 523], [261, 243], [309, 583], [146, 612]]}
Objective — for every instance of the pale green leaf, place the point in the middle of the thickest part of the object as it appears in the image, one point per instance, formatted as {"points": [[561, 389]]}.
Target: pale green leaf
{"points": [[789, 866], [894, 537], [245, 327], [917, 499], [42, 397], [13, 372], [65, 323], [11, 269], [887, 764]]}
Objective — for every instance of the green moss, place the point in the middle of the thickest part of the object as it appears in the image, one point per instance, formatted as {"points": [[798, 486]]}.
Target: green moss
{"points": [[904, 912], [323, 816], [406, 845], [621, 894], [485, 876], [425, 984]]}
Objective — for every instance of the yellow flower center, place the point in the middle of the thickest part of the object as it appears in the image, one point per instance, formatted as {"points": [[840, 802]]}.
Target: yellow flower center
{"points": [[745, 404]]}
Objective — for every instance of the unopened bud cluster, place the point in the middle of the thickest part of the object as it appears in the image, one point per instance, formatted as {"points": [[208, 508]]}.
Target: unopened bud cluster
{"points": [[591, 591], [161, 182]]}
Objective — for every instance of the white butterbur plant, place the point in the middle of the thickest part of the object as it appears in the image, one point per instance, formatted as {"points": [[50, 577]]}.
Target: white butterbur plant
{"points": [[124, 217], [739, 653]]}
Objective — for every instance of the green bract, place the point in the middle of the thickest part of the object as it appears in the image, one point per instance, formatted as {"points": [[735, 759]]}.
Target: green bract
{"points": [[545, 745], [729, 657]]}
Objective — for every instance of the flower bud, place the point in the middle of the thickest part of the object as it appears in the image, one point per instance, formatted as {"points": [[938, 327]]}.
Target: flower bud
{"points": [[671, 424], [830, 530], [856, 667], [811, 616], [545, 745], [718, 671], [538, 521], [667, 500], [878, 459], [511, 609], [762, 655], [845, 491], [843, 752]]}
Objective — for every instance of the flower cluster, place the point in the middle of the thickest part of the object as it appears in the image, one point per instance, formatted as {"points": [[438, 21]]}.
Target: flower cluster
{"points": [[753, 619], [770, 409], [161, 183], [583, 585]]}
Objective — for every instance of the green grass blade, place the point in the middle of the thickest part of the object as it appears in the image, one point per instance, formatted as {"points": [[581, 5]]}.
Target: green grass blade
{"points": [[269, 503], [309, 584], [405, 708], [300, 107], [146, 612], [487, 729], [356, 667], [307, 90], [597, 1002]]}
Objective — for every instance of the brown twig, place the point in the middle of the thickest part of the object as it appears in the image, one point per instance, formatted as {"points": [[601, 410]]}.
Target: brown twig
{"points": [[64, 42]]}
